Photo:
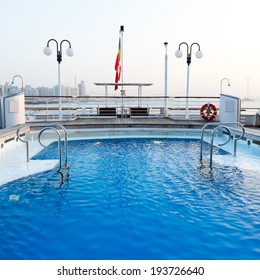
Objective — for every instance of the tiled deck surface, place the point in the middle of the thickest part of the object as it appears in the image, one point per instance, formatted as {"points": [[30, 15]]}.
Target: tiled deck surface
{"points": [[95, 123], [130, 122]]}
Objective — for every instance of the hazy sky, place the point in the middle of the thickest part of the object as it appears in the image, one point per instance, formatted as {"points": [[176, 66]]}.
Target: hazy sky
{"points": [[227, 31]]}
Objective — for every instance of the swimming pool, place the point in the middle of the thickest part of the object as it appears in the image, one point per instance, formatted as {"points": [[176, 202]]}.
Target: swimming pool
{"points": [[140, 198]]}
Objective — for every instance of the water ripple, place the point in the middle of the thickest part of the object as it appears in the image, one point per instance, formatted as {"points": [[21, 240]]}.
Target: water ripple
{"points": [[132, 199]]}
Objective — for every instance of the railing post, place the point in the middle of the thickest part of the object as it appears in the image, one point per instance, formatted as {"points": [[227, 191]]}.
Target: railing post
{"points": [[59, 142], [212, 140], [24, 141]]}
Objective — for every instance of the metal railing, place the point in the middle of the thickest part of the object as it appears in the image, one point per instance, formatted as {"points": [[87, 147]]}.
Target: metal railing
{"points": [[24, 141], [47, 107], [220, 126], [59, 143], [63, 168]]}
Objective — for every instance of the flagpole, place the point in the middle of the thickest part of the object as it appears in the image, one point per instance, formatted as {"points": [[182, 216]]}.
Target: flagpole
{"points": [[121, 38], [122, 72]]}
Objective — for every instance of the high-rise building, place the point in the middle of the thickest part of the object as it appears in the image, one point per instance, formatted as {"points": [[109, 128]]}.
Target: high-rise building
{"points": [[82, 89], [43, 91], [29, 90], [75, 89], [56, 90], [7, 88], [67, 91]]}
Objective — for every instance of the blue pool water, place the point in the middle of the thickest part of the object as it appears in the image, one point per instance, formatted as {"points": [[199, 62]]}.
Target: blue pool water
{"points": [[132, 199]]}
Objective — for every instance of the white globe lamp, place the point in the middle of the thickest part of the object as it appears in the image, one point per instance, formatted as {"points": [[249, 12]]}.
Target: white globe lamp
{"points": [[47, 51], [70, 52], [199, 54], [179, 53]]}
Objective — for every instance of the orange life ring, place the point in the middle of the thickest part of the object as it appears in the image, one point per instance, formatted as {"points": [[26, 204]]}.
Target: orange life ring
{"points": [[208, 111]]}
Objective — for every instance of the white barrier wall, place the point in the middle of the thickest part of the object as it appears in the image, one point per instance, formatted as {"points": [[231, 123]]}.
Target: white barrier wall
{"points": [[229, 108], [12, 110]]}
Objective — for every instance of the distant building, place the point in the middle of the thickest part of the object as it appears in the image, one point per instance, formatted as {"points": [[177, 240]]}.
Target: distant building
{"points": [[67, 91], [75, 89], [56, 90], [29, 90], [7, 88], [43, 91], [14, 89], [82, 89]]}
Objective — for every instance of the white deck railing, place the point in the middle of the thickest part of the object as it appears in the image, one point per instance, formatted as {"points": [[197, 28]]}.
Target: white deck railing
{"points": [[47, 107]]}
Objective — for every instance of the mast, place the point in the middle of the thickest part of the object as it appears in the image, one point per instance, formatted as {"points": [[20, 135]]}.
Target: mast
{"points": [[121, 42]]}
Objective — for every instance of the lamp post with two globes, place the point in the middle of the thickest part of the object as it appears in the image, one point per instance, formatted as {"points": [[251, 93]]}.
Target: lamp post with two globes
{"points": [[179, 54], [47, 50]]}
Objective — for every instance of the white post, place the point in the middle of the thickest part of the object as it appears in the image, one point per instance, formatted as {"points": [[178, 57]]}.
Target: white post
{"points": [[187, 92], [166, 81], [122, 77], [121, 40], [60, 101]]}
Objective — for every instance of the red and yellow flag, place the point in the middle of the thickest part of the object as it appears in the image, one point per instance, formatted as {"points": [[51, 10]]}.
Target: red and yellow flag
{"points": [[118, 64]]}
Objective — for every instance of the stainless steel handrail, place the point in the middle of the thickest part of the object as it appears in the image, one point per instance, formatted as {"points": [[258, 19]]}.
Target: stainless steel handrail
{"points": [[212, 140], [24, 141], [47, 125], [59, 142], [224, 124], [65, 142]]}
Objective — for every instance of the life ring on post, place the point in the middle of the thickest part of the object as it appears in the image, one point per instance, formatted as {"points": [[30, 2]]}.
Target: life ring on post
{"points": [[208, 111]]}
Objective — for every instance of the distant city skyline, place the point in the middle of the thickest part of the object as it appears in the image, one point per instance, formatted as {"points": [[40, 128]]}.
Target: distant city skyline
{"points": [[78, 90]]}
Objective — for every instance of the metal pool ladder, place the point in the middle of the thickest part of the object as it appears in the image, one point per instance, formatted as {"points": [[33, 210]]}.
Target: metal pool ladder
{"points": [[63, 168], [220, 126]]}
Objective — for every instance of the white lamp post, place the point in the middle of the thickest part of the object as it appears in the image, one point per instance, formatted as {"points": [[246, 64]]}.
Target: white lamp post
{"points": [[179, 54], [47, 50], [222, 82], [20, 78]]}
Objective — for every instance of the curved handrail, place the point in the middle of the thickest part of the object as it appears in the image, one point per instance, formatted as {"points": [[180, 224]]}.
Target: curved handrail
{"points": [[229, 135], [217, 124], [65, 141], [59, 141], [212, 140], [24, 141], [47, 125]]}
